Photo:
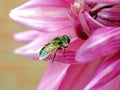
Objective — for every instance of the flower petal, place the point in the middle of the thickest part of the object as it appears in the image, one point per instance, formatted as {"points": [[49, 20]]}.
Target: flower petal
{"points": [[70, 1], [112, 13], [32, 49], [78, 75], [92, 23], [104, 41], [46, 37], [99, 6], [53, 76], [70, 55], [27, 36], [88, 23], [43, 15], [68, 76], [112, 85], [104, 1], [84, 24], [109, 23], [106, 72]]}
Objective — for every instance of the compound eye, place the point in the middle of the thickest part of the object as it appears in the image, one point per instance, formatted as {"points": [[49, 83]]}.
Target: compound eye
{"points": [[67, 39]]}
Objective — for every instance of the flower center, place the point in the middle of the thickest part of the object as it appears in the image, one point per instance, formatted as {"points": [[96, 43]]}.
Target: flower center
{"points": [[76, 8]]}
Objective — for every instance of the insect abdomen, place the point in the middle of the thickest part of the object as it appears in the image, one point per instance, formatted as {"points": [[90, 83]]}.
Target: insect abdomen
{"points": [[48, 49]]}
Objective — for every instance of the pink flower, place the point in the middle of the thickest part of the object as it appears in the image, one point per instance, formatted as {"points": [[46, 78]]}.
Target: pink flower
{"points": [[93, 25]]}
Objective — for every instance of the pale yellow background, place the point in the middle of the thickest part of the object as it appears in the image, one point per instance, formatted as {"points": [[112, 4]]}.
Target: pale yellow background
{"points": [[16, 72]]}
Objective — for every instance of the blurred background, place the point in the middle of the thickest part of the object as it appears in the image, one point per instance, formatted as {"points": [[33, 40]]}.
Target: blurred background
{"points": [[16, 72]]}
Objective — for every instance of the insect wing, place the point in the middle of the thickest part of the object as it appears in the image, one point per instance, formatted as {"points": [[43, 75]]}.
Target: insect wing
{"points": [[43, 54], [47, 50]]}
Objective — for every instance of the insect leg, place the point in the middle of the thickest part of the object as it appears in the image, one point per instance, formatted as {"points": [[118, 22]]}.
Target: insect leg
{"points": [[54, 56], [65, 49]]}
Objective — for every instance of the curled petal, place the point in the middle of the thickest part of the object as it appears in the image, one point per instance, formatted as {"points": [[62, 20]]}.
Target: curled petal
{"points": [[43, 15], [91, 23], [104, 41], [105, 72], [27, 36], [110, 13], [109, 23], [88, 23], [99, 6], [84, 24], [104, 1]]}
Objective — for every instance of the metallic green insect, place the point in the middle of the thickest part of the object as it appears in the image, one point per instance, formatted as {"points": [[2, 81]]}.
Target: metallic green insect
{"points": [[56, 44]]}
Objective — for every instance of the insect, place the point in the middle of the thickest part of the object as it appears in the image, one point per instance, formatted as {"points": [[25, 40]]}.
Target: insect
{"points": [[58, 43]]}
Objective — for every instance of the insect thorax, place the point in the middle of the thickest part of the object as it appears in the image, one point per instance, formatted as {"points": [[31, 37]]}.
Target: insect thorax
{"points": [[66, 39]]}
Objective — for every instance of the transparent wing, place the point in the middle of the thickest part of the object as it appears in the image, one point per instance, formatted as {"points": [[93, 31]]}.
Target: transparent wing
{"points": [[48, 49]]}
